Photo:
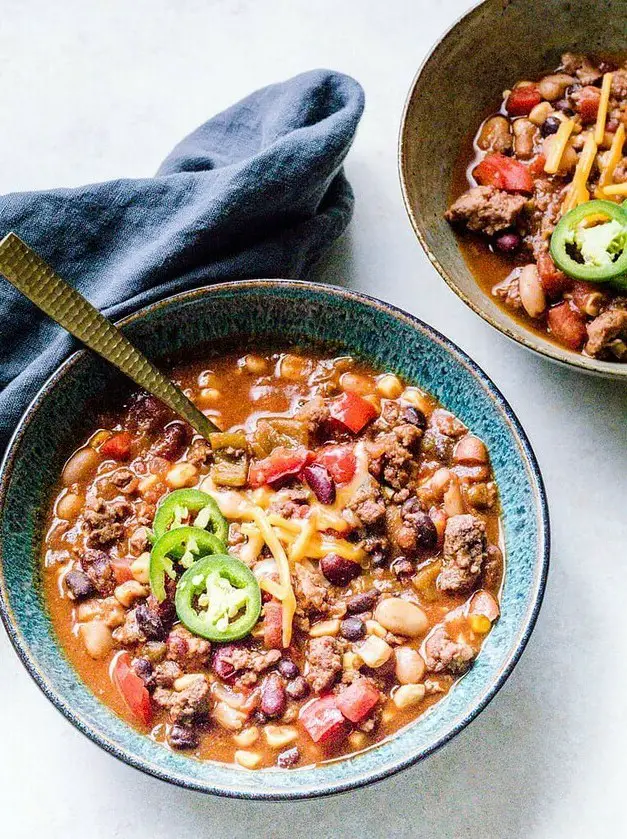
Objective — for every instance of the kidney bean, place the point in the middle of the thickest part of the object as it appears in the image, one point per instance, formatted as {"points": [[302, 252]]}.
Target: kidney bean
{"points": [[183, 737], [221, 667], [321, 483], [288, 758], [273, 696], [338, 570], [362, 602], [402, 567], [171, 443], [353, 629], [288, 669], [297, 688], [508, 242], [79, 584]]}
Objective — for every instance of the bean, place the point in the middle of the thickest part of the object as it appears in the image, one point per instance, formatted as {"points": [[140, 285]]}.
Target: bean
{"points": [[247, 736], [407, 695], [454, 500], [181, 475], [288, 758], [470, 450], [288, 669], [401, 617], [79, 584], [494, 135], [552, 87], [81, 466], [524, 136], [183, 737], [508, 242], [172, 442], [279, 736], [97, 638], [482, 603], [353, 629], [338, 570], [273, 697], [362, 602], [531, 292], [540, 112], [249, 760], [297, 688], [375, 652], [550, 126], [356, 383], [69, 506], [410, 666], [389, 386], [130, 591], [321, 483]]}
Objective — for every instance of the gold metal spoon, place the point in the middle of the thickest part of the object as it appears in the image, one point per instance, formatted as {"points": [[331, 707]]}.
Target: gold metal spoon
{"points": [[28, 272]]}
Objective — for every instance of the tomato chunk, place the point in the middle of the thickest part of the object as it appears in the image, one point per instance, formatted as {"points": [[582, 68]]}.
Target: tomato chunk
{"points": [[503, 172], [322, 719], [121, 570], [117, 447], [553, 281], [522, 100], [273, 625], [358, 700], [282, 463], [340, 461], [132, 689], [352, 411], [588, 99], [567, 325]]}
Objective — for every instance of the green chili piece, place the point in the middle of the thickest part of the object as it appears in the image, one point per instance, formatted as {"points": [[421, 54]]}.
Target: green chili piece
{"points": [[181, 504], [184, 544]]}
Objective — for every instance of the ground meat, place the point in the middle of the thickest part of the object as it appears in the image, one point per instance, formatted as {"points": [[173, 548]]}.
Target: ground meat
{"points": [[580, 65], [315, 414], [393, 414], [97, 565], [485, 209], [183, 737], [444, 422], [129, 633], [125, 481], [248, 663], [619, 84], [442, 654], [103, 520], [138, 541], [464, 552], [508, 291], [324, 663], [200, 452], [188, 650], [290, 503], [166, 673], [368, 504], [543, 212], [311, 591], [604, 329], [393, 455], [79, 584], [172, 441], [185, 706]]}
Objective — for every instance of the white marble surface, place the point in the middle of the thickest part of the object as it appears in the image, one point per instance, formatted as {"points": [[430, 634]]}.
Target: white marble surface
{"points": [[90, 91]]}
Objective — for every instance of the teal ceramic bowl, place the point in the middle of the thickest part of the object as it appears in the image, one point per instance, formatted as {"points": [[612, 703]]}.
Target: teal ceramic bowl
{"points": [[285, 312]]}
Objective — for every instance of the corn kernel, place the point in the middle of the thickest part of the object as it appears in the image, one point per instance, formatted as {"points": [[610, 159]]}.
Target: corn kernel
{"points": [[351, 661], [181, 475], [389, 386], [256, 364], [407, 695], [247, 736], [249, 760], [140, 568], [416, 398], [357, 740], [279, 736], [331, 627], [208, 396], [375, 651], [480, 624], [374, 628]]}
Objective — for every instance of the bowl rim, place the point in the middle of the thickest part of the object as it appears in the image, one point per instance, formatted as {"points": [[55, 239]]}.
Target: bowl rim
{"points": [[319, 788], [522, 336]]}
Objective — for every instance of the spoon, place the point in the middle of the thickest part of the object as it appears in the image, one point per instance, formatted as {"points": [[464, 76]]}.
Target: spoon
{"points": [[28, 273]]}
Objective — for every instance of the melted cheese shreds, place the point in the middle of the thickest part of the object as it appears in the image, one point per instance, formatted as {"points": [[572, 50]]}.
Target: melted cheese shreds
{"points": [[616, 189], [599, 131], [613, 158], [278, 552], [272, 587], [300, 547], [558, 146], [578, 191], [250, 551]]}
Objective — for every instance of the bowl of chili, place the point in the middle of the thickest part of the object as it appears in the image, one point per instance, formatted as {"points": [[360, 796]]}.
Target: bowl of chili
{"points": [[188, 532], [512, 103]]}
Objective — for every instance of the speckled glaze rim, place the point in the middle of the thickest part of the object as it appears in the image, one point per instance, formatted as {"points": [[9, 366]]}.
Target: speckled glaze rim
{"points": [[520, 335], [361, 777]]}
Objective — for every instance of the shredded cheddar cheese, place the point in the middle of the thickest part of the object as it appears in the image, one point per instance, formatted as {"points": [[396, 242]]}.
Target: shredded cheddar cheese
{"points": [[599, 131], [578, 190], [611, 161], [616, 189], [558, 146]]}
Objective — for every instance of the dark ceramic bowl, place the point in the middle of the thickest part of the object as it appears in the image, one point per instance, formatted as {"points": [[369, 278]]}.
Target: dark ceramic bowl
{"points": [[459, 82], [283, 312]]}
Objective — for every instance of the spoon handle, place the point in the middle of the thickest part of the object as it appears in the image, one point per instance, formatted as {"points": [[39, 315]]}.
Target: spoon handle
{"points": [[28, 272]]}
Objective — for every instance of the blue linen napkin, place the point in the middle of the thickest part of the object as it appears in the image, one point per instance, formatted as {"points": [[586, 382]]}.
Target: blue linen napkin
{"points": [[257, 191]]}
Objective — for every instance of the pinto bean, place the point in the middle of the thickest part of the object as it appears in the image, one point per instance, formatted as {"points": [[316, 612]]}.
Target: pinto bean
{"points": [[81, 466], [409, 665], [494, 135], [532, 294], [525, 133], [552, 87], [401, 617], [470, 450]]}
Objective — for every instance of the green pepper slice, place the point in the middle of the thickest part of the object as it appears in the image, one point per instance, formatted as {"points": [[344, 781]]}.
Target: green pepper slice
{"points": [[178, 505], [593, 252], [218, 598], [186, 544]]}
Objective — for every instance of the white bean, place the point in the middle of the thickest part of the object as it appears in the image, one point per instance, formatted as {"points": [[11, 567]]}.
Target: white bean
{"points": [[97, 638], [531, 292], [410, 666], [401, 617]]}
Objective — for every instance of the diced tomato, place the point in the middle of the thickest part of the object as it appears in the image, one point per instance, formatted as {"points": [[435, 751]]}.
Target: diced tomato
{"points": [[352, 411], [132, 689], [117, 447], [553, 281], [567, 325], [322, 719], [282, 463], [358, 700], [121, 570], [340, 461], [588, 99], [273, 625], [503, 173], [522, 100], [536, 167]]}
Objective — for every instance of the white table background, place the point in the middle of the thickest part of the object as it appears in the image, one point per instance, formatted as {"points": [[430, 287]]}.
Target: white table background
{"points": [[92, 91]]}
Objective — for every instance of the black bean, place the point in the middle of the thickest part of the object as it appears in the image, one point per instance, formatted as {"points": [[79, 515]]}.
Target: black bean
{"points": [[414, 417], [297, 688], [338, 570], [150, 622], [353, 629], [288, 669], [402, 567], [508, 242], [550, 126], [563, 105], [183, 737], [362, 602], [79, 584], [288, 758], [143, 668]]}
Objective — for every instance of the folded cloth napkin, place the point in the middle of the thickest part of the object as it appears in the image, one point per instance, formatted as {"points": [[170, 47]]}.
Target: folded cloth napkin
{"points": [[257, 191]]}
